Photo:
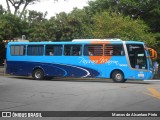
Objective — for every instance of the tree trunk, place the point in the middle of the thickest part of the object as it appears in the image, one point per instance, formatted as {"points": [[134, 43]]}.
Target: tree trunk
{"points": [[9, 10]]}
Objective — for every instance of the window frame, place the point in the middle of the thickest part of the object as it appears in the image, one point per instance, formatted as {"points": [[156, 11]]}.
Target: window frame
{"points": [[132, 51], [71, 50], [87, 52], [19, 49], [115, 50], [30, 45], [50, 50]]}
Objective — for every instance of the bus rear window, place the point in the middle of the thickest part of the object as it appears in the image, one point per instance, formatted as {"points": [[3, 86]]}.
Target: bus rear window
{"points": [[18, 50]]}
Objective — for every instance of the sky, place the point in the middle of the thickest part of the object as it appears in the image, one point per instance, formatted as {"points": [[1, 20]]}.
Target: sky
{"points": [[54, 7]]}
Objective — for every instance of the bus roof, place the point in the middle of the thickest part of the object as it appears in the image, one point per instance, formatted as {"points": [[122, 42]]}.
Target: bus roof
{"points": [[89, 40], [79, 41]]}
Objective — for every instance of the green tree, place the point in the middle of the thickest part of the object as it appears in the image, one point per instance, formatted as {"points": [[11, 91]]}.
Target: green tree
{"points": [[147, 10], [102, 5], [116, 25], [34, 16], [36, 29], [51, 29], [2, 10], [16, 4], [74, 25], [10, 26], [81, 22]]}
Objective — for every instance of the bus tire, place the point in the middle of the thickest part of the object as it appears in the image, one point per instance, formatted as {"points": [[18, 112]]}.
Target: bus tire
{"points": [[118, 77], [38, 74]]}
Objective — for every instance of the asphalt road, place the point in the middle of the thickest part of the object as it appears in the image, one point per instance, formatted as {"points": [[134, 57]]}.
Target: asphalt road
{"points": [[25, 94]]}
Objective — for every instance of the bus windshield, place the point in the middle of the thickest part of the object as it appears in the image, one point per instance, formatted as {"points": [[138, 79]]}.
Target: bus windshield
{"points": [[137, 56]]}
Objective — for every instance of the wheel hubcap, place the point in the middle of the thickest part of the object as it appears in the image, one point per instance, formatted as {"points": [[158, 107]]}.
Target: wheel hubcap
{"points": [[38, 74], [119, 77]]}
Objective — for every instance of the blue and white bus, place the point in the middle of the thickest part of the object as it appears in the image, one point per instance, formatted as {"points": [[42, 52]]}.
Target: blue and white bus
{"points": [[98, 58]]}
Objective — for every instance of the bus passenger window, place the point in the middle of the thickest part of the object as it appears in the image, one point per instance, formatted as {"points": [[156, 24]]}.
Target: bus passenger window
{"points": [[18, 50], [72, 50], [90, 53], [114, 50], [55, 50], [35, 50], [117, 52], [108, 50], [51, 53], [93, 50]]}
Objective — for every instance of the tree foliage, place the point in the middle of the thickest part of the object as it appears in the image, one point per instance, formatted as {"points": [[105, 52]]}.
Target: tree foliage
{"points": [[147, 10], [16, 4], [101, 19], [108, 24], [73, 25], [10, 26], [2, 10]]}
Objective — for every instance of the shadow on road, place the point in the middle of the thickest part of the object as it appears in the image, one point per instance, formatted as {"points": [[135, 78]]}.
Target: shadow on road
{"points": [[98, 80]]}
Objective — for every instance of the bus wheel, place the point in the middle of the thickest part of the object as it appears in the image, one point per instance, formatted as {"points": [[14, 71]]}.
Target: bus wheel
{"points": [[118, 77], [38, 74]]}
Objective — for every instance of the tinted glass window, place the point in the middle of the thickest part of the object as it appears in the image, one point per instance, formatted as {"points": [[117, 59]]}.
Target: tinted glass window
{"points": [[72, 50], [93, 50], [35, 50], [18, 50], [113, 50], [54, 50], [137, 56]]}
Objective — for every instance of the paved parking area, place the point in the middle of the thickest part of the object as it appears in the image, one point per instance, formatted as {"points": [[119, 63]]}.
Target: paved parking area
{"points": [[25, 94]]}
